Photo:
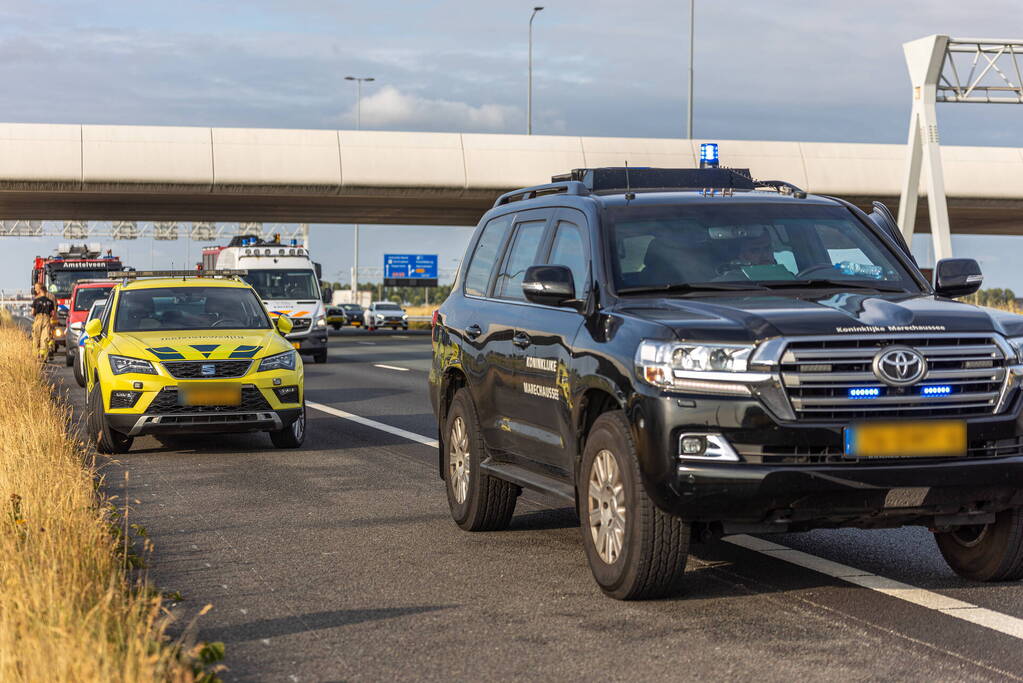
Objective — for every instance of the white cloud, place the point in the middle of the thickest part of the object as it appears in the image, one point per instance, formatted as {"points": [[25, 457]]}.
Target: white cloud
{"points": [[389, 107]]}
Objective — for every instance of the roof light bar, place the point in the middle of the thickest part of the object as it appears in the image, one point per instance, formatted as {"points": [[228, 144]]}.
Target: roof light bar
{"points": [[135, 274]]}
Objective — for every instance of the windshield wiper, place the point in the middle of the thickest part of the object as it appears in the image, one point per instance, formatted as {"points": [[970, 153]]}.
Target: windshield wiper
{"points": [[831, 284], [684, 287]]}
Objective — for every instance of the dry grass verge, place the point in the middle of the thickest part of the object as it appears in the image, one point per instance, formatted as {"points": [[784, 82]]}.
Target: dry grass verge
{"points": [[68, 609]]}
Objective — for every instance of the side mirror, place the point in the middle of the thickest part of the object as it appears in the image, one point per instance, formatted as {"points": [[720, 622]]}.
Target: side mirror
{"points": [[956, 277], [549, 285], [284, 324], [94, 328]]}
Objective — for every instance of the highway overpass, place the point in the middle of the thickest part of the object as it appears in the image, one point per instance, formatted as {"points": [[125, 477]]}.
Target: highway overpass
{"points": [[93, 172]]}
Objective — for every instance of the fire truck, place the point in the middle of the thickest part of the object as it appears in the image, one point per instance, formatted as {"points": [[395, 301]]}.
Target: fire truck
{"points": [[59, 273]]}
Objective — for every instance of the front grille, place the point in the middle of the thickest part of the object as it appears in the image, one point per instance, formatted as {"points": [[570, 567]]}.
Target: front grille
{"points": [[818, 375], [166, 403], [222, 369], [834, 455]]}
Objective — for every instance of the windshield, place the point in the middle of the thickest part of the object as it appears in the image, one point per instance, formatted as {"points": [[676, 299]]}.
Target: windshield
{"points": [[189, 308], [66, 279], [87, 295], [352, 307], [724, 244], [284, 284], [388, 307]]}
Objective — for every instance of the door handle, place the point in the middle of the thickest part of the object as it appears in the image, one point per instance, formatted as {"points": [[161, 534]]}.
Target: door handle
{"points": [[473, 331], [521, 340]]}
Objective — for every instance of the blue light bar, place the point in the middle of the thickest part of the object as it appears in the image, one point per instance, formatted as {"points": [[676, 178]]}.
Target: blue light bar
{"points": [[865, 392], [708, 154], [936, 390]]}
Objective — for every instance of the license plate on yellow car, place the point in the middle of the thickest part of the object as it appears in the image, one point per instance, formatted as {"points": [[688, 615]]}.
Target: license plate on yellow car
{"points": [[219, 394], [944, 438]]}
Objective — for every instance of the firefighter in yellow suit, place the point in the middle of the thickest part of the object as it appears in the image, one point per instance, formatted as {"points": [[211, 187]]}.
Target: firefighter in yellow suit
{"points": [[44, 309]]}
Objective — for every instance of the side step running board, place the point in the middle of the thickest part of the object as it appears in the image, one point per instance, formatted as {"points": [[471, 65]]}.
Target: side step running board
{"points": [[529, 479]]}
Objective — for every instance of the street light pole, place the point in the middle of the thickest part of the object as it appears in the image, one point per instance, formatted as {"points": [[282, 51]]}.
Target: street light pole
{"points": [[358, 126], [689, 103], [529, 88]]}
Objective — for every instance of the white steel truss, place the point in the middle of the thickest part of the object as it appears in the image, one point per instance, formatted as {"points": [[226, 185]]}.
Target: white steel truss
{"points": [[944, 69], [159, 230]]}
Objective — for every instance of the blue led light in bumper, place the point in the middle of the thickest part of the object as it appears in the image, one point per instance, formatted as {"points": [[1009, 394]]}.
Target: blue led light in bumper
{"points": [[865, 392], [936, 390]]}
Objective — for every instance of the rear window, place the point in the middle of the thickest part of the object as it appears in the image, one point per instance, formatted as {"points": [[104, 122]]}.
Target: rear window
{"points": [[87, 295]]}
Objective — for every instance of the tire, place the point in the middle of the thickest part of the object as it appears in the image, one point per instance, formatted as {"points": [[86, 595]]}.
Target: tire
{"points": [[69, 357], [478, 502], [643, 554], [989, 552], [77, 370], [106, 440], [320, 356], [291, 436]]}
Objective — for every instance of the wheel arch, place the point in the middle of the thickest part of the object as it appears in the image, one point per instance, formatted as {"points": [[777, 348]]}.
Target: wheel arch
{"points": [[592, 404], [453, 380]]}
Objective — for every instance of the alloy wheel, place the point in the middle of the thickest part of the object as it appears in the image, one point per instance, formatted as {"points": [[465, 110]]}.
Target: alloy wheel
{"points": [[458, 460], [607, 506]]}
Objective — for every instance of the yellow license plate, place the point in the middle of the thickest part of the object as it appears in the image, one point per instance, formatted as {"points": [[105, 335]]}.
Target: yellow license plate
{"points": [[906, 439], [219, 394], [296, 344]]}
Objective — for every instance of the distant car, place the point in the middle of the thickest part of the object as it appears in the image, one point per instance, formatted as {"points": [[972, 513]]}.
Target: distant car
{"points": [[353, 314], [84, 293], [385, 314], [95, 311], [335, 317]]}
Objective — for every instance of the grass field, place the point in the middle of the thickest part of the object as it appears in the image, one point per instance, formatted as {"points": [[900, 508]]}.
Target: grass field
{"points": [[69, 610]]}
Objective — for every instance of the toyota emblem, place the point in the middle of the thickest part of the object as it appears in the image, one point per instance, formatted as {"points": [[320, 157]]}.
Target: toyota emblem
{"points": [[899, 366]]}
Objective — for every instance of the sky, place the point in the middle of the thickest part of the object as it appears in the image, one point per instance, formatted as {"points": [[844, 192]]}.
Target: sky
{"points": [[786, 70]]}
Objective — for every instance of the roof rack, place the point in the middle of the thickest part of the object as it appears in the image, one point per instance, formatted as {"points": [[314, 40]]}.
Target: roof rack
{"points": [[782, 187], [558, 186], [136, 274]]}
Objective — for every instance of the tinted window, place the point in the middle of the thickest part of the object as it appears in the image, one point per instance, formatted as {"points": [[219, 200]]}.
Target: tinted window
{"points": [[477, 276], [568, 251], [189, 308], [521, 255], [742, 242], [86, 295]]}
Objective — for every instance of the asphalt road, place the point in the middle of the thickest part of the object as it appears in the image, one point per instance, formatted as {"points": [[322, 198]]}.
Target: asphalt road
{"points": [[339, 561]]}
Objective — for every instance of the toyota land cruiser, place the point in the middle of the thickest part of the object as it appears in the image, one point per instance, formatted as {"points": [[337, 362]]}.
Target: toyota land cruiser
{"points": [[688, 353]]}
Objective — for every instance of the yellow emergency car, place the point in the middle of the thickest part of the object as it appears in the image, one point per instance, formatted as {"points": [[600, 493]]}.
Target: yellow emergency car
{"points": [[178, 352]]}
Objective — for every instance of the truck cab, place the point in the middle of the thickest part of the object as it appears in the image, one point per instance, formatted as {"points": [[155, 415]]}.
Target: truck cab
{"points": [[286, 279]]}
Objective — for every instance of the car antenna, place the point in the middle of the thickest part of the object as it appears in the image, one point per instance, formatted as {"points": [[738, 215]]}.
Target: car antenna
{"points": [[629, 194]]}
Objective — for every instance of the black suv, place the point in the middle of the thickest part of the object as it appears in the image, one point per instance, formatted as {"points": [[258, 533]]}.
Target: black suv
{"points": [[688, 353]]}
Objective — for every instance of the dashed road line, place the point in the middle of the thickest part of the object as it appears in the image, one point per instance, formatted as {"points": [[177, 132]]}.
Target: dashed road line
{"points": [[996, 621], [965, 611], [365, 421], [366, 343], [390, 367]]}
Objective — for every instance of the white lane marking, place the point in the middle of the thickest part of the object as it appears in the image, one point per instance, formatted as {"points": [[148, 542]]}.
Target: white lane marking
{"points": [[996, 621], [411, 436], [389, 367], [980, 616], [366, 343]]}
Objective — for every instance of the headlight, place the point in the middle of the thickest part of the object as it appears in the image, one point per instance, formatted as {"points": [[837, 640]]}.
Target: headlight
{"points": [[687, 365], [321, 321], [281, 361], [122, 364], [1017, 345], [404, 316]]}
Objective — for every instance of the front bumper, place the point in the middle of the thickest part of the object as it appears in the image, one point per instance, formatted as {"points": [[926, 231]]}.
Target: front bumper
{"points": [[310, 342], [794, 475]]}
